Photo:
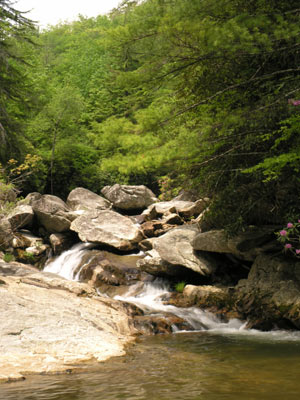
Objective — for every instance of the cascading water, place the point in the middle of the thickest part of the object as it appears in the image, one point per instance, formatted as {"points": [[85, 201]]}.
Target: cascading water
{"points": [[151, 299], [67, 263]]}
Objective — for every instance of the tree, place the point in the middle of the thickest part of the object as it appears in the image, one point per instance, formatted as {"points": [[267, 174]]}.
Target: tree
{"points": [[14, 27], [58, 120], [232, 68]]}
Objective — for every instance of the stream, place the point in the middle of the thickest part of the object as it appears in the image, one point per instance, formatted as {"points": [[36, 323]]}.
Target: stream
{"points": [[216, 361]]}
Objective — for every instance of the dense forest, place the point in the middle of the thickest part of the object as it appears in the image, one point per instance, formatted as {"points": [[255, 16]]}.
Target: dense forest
{"points": [[201, 95]]}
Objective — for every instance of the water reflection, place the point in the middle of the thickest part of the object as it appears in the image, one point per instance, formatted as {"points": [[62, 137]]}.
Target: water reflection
{"points": [[202, 366]]}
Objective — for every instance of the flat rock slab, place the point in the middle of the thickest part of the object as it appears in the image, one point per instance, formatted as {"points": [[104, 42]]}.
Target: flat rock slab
{"points": [[108, 228], [52, 325]]}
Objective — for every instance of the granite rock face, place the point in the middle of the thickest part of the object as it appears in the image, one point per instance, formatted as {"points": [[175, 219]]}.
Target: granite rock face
{"points": [[51, 325]]}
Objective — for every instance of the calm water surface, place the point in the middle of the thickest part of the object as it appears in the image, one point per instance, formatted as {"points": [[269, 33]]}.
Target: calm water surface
{"points": [[185, 366]]}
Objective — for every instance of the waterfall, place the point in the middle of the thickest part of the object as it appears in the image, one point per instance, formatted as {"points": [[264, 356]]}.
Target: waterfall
{"points": [[67, 263], [150, 298], [151, 301]]}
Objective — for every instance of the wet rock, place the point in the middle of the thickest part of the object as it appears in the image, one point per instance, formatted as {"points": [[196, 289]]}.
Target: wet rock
{"points": [[271, 294], [107, 227], [158, 324], [52, 213], [102, 267], [127, 197], [84, 199], [208, 296]]}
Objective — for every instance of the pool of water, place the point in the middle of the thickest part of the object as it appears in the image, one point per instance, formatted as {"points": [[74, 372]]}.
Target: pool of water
{"points": [[185, 366]]}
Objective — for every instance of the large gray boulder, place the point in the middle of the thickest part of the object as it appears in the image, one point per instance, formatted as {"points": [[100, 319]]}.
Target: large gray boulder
{"points": [[270, 297], [52, 213], [245, 246], [175, 248], [84, 199], [127, 197], [21, 216], [109, 228], [153, 264]]}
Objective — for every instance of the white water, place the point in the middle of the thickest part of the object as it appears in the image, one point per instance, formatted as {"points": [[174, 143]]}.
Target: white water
{"points": [[66, 264], [150, 299]]}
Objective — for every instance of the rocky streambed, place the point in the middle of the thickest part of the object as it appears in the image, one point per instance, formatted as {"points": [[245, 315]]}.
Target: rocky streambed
{"points": [[52, 324]]}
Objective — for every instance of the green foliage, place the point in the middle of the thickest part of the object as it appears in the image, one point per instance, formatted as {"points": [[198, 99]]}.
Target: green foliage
{"points": [[8, 257], [180, 286], [200, 95], [15, 29]]}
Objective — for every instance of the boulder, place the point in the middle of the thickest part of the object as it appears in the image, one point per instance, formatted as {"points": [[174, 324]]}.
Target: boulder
{"points": [[60, 242], [158, 227], [101, 268], [208, 296], [30, 199], [185, 209], [160, 324], [270, 297], [84, 199], [52, 213], [109, 228], [153, 264], [21, 216], [6, 234], [245, 246], [172, 219], [175, 248], [49, 325], [127, 197], [188, 195]]}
